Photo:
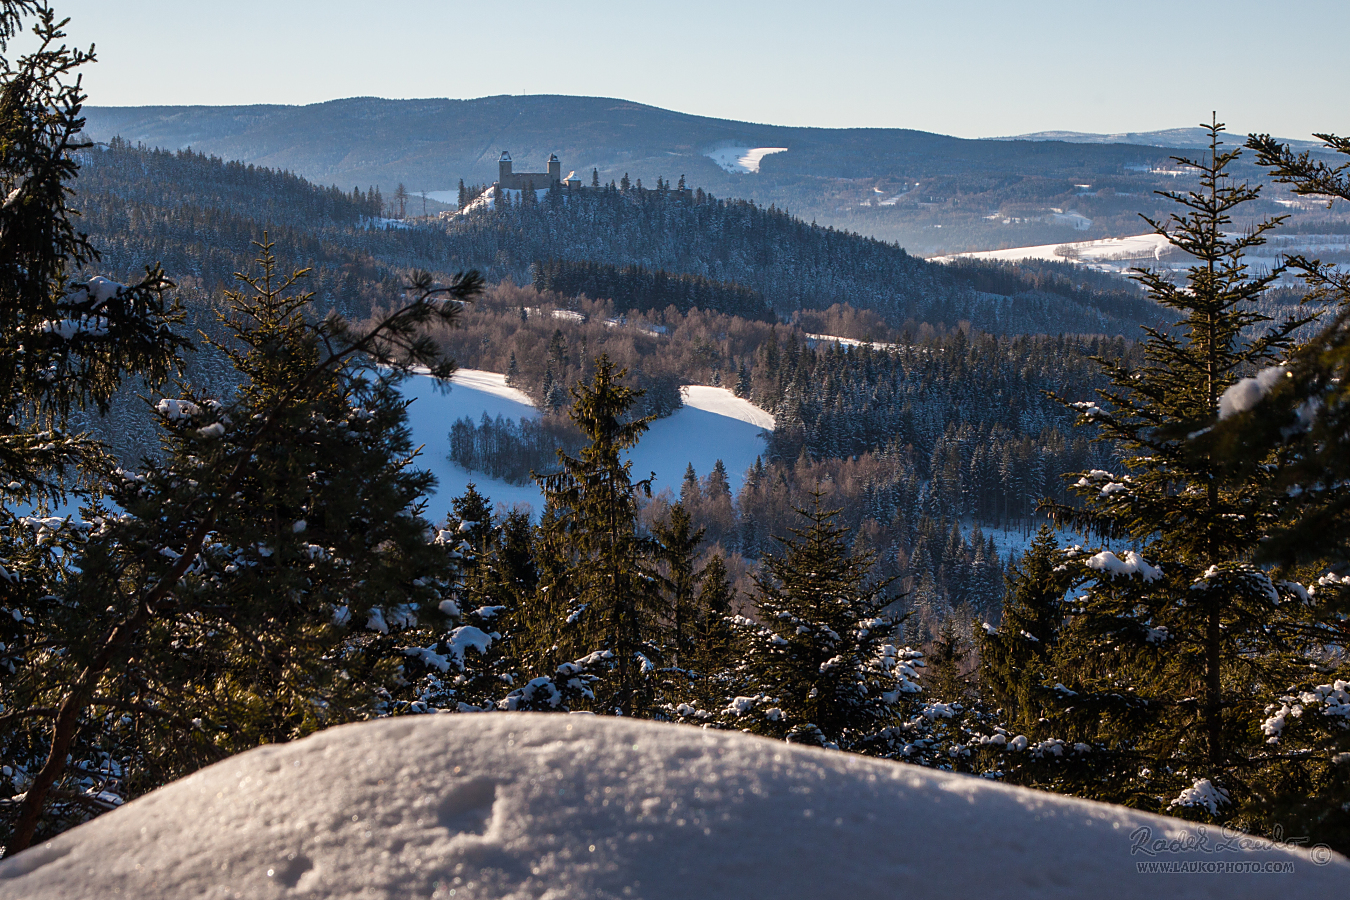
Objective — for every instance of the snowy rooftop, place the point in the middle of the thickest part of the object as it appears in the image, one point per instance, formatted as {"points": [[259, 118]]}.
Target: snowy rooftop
{"points": [[554, 806]]}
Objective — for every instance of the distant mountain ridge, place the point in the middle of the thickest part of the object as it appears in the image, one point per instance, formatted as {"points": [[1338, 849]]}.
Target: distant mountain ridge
{"points": [[1177, 138], [930, 193], [426, 143], [829, 175]]}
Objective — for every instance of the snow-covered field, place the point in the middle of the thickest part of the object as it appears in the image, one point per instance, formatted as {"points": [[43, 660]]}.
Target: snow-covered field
{"points": [[1121, 255], [741, 160], [1135, 248], [714, 424], [430, 416], [847, 342], [451, 196], [521, 805]]}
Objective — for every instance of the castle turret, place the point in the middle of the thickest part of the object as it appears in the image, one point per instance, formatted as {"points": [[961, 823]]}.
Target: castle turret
{"points": [[504, 169], [554, 169]]}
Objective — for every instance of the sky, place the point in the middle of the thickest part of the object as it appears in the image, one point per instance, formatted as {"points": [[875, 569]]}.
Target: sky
{"points": [[971, 68]]}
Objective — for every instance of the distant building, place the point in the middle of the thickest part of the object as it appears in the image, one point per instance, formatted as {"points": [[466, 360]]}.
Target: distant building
{"points": [[519, 181], [510, 180]]}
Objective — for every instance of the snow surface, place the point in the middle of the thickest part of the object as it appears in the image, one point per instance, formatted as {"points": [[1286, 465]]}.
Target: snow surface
{"points": [[1246, 393], [741, 160], [713, 424], [525, 805], [450, 196], [1139, 246], [847, 342], [432, 412]]}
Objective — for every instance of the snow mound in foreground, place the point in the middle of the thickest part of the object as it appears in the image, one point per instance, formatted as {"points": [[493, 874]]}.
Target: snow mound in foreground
{"points": [[550, 806]]}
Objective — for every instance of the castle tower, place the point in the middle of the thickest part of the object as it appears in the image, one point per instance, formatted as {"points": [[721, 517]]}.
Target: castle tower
{"points": [[504, 169], [554, 169]]}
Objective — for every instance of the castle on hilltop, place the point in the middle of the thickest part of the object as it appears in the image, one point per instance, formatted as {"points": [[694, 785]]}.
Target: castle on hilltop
{"points": [[519, 181]]}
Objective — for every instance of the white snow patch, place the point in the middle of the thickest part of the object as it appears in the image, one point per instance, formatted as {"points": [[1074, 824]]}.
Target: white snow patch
{"points": [[741, 160], [714, 424], [1203, 794], [1133, 564], [1135, 247], [542, 805], [812, 339], [722, 402], [1245, 394]]}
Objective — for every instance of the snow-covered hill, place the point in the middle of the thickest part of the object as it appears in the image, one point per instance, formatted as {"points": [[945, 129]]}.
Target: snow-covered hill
{"points": [[713, 424], [525, 805]]}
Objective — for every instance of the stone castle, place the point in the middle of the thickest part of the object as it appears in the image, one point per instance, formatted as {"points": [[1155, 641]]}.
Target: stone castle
{"points": [[519, 181]]}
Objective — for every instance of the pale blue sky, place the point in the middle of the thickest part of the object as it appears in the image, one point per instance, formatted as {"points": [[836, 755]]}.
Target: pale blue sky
{"points": [[966, 67]]}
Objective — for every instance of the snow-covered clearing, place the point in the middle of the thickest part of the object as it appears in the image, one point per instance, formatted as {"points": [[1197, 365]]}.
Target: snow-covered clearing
{"points": [[847, 342], [722, 402], [430, 415], [524, 805], [1137, 247], [713, 424], [741, 160]]}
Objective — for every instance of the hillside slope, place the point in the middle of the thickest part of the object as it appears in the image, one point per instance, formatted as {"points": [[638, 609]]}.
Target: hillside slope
{"points": [[521, 805], [198, 215], [928, 191]]}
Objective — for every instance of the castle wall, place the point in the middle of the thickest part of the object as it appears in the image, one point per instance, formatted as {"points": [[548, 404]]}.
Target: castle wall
{"points": [[518, 181]]}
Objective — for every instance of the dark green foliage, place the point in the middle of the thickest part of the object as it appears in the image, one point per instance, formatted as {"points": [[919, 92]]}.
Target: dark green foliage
{"points": [[1303, 411], [1175, 642], [1019, 653], [818, 666], [642, 289], [247, 593], [714, 642], [610, 603], [678, 542]]}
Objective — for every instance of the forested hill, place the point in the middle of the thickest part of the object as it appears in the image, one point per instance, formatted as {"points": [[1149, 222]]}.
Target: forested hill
{"points": [[198, 215], [932, 193], [795, 265], [431, 143]]}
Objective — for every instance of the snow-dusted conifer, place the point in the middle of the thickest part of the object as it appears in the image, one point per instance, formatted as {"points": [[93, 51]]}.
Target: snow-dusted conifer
{"points": [[251, 587], [609, 600], [819, 665], [1175, 640]]}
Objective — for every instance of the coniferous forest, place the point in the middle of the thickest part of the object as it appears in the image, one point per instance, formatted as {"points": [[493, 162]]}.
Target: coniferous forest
{"points": [[251, 561]]}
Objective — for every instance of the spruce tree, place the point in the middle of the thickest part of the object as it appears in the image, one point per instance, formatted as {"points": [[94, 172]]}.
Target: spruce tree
{"points": [[677, 547], [819, 666], [1176, 640], [250, 589], [611, 605], [1017, 656], [470, 662], [1296, 414], [714, 641]]}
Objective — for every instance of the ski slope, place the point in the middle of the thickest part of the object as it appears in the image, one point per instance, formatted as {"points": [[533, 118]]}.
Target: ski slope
{"points": [[740, 160], [713, 424], [546, 805]]}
